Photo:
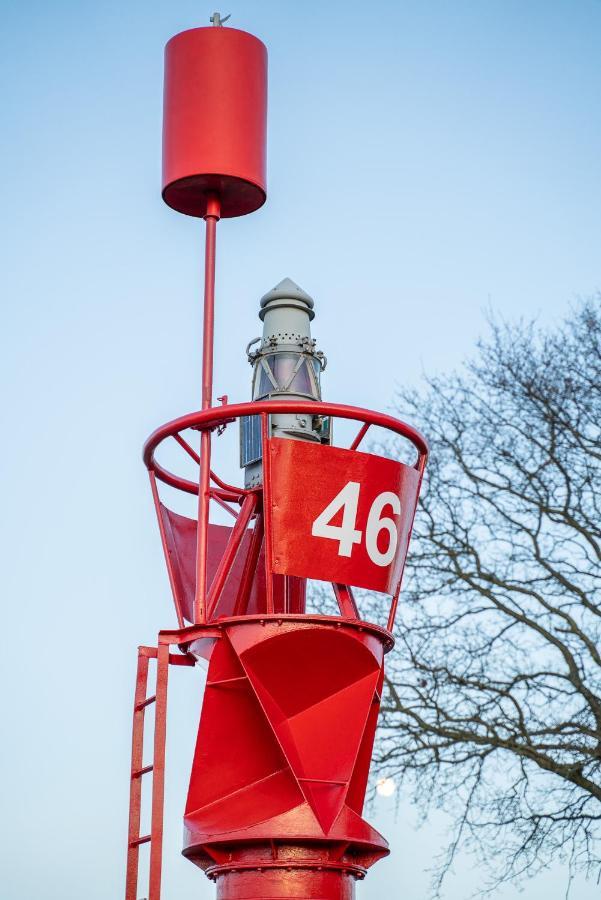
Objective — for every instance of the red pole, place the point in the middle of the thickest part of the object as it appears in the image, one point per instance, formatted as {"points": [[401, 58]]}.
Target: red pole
{"points": [[211, 218], [267, 511]]}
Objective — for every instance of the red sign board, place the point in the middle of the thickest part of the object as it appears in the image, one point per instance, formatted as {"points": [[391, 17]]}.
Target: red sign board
{"points": [[339, 515]]}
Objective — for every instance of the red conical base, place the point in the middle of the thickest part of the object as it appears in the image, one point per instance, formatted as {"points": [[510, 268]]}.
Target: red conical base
{"points": [[282, 758]]}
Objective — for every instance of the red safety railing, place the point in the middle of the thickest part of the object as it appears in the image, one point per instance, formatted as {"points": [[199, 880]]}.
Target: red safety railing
{"points": [[246, 506]]}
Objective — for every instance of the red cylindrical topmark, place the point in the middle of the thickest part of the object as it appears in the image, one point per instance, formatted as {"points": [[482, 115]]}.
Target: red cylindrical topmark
{"points": [[214, 121]]}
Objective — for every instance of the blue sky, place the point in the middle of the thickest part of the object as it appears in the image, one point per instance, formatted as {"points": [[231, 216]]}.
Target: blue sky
{"points": [[426, 161]]}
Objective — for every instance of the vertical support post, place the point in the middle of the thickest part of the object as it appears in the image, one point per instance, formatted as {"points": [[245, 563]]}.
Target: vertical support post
{"points": [[202, 532], [420, 466], [229, 555], [158, 775], [135, 787], [346, 601], [211, 218], [267, 498], [250, 567], [202, 536]]}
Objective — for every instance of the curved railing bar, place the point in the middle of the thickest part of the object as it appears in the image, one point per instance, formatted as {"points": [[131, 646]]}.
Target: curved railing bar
{"points": [[174, 481], [209, 418], [228, 487], [231, 488]]}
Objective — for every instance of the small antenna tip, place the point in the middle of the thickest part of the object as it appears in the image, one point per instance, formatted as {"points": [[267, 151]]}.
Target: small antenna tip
{"points": [[217, 20]]}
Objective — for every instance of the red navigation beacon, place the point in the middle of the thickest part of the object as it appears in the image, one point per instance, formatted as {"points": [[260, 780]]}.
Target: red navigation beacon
{"points": [[280, 769]]}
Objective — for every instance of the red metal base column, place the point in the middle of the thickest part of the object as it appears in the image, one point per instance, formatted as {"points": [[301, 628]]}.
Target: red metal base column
{"points": [[290, 883]]}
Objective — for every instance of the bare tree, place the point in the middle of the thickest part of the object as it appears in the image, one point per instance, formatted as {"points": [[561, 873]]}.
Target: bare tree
{"points": [[492, 707]]}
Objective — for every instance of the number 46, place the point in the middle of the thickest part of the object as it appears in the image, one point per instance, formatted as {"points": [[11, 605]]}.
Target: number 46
{"points": [[347, 535]]}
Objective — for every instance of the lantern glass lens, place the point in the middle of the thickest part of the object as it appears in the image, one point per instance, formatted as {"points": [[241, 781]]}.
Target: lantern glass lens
{"points": [[279, 373]]}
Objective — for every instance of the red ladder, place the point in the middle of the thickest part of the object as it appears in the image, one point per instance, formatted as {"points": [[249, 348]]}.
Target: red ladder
{"points": [[138, 769]]}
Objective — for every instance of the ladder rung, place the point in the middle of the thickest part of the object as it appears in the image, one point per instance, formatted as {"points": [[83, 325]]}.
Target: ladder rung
{"points": [[141, 840], [146, 702], [143, 771]]}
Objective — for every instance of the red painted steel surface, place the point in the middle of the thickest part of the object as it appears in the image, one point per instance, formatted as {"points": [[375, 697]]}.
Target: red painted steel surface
{"points": [[290, 882], [283, 751], [282, 592], [180, 539], [365, 505], [290, 708], [214, 121]]}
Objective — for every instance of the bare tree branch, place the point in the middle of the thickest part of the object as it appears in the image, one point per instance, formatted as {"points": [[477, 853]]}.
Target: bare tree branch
{"points": [[492, 703]]}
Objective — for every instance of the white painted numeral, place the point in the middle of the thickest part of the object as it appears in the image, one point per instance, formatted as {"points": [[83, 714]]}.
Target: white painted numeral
{"points": [[376, 523], [345, 534]]}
